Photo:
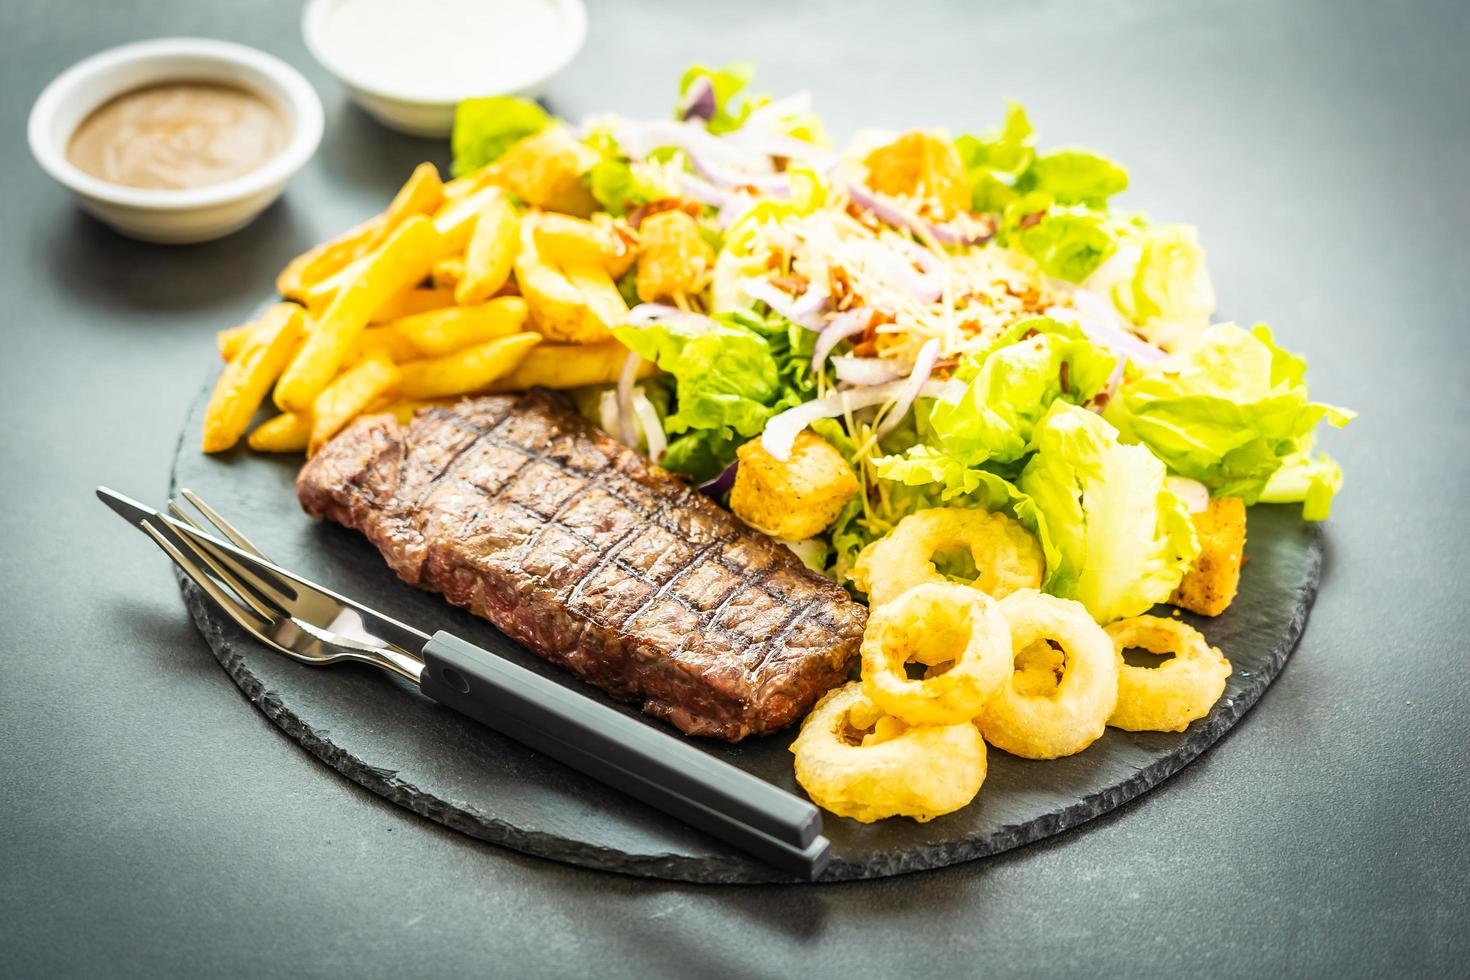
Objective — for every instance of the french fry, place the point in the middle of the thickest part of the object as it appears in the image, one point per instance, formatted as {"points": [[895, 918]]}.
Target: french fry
{"points": [[466, 371], [447, 272], [598, 292], [232, 340], [401, 261], [562, 239], [491, 252], [440, 332], [395, 345], [302, 274], [559, 310], [455, 221], [569, 366], [285, 433], [422, 193], [247, 379], [412, 301], [374, 377]]}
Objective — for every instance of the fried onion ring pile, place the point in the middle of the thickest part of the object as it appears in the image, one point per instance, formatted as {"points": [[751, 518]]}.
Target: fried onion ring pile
{"points": [[857, 762], [1067, 720], [936, 624], [1168, 697], [1006, 555]]}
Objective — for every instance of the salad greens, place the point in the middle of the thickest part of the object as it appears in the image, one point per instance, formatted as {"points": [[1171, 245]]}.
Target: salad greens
{"points": [[485, 128]]}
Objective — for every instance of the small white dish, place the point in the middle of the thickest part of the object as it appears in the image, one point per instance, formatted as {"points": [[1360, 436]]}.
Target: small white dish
{"points": [[193, 214], [425, 107]]}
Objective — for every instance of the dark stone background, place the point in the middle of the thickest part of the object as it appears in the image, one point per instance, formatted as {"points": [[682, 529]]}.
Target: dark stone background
{"points": [[152, 822]]}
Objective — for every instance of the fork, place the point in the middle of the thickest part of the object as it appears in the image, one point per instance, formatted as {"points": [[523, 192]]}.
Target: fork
{"points": [[316, 626]]}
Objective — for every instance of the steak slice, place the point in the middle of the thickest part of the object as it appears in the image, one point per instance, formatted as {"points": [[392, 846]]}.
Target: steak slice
{"points": [[521, 511]]}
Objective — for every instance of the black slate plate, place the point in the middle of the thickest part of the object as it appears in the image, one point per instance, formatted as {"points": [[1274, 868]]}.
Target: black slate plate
{"points": [[382, 733]]}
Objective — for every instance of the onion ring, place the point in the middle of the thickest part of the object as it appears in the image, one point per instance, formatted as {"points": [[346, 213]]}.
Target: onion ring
{"points": [[1068, 720], [894, 770], [1006, 555], [1168, 697], [936, 624]]}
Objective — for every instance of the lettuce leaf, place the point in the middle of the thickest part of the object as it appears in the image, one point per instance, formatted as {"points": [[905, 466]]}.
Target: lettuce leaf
{"points": [[994, 159], [1074, 176], [727, 83], [1123, 540], [1066, 242], [485, 128], [1009, 387], [1309, 480], [617, 183], [1228, 411]]}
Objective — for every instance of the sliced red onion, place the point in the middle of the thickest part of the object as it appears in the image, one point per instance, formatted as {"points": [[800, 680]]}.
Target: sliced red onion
{"points": [[842, 326], [720, 485], [703, 191], [945, 234], [653, 429], [864, 371], [923, 367], [736, 208], [627, 426], [805, 311], [926, 286], [721, 176], [781, 432], [1095, 316], [646, 313], [699, 101]]}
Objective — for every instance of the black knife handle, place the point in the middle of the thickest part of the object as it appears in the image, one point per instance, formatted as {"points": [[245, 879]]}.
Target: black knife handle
{"points": [[664, 771]]}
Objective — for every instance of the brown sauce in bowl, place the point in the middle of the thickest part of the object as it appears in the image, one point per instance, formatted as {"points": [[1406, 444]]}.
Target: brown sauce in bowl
{"points": [[178, 135]]}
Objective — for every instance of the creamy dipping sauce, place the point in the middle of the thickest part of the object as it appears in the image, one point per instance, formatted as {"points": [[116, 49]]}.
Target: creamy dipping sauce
{"points": [[178, 135], [442, 49]]}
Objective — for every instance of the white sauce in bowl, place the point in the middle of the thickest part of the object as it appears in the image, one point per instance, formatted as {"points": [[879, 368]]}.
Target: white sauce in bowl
{"points": [[444, 49]]}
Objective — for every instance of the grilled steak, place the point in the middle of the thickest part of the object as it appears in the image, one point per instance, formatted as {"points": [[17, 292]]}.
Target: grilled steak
{"points": [[573, 545]]}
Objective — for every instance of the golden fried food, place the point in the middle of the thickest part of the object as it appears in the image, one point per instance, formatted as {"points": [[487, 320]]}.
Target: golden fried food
{"points": [[326, 260], [561, 238], [411, 302], [1168, 697], [248, 377], [375, 376], [491, 253], [856, 762], [383, 339], [422, 193], [445, 331], [285, 433], [957, 632], [570, 366], [1006, 555], [401, 261], [466, 371], [1210, 585], [547, 170], [794, 498], [1047, 725], [674, 258], [232, 339], [575, 301]]}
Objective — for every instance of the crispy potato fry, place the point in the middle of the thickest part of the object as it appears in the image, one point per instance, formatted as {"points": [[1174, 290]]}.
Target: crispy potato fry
{"points": [[401, 261], [674, 257], [422, 193], [491, 252], [562, 239], [456, 220], [247, 379], [570, 366], [599, 293], [576, 303], [546, 169], [440, 332], [466, 371], [285, 433], [413, 301], [302, 274], [230, 341], [344, 398], [398, 347], [448, 272]]}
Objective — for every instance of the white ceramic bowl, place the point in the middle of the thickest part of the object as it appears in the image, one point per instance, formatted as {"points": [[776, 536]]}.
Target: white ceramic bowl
{"points": [[193, 214], [426, 112]]}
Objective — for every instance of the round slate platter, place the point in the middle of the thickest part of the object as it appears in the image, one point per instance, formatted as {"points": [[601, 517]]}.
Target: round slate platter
{"points": [[379, 731]]}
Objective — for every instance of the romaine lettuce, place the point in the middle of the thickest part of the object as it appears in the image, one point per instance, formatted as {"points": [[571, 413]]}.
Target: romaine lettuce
{"points": [[1123, 540], [1074, 176], [1227, 411], [485, 128]]}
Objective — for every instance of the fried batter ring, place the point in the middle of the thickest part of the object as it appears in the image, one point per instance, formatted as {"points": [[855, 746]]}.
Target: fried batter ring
{"points": [[1007, 555], [1023, 720], [936, 624], [894, 770], [1168, 697]]}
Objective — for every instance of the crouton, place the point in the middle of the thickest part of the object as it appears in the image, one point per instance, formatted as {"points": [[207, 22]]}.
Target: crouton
{"points": [[1209, 585], [922, 166], [794, 499], [674, 257], [547, 170]]}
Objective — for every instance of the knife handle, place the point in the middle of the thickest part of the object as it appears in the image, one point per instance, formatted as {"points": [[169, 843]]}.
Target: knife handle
{"points": [[660, 769]]}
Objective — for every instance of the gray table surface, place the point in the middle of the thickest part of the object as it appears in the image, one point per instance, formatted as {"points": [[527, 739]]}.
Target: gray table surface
{"points": [[152, 822]]}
